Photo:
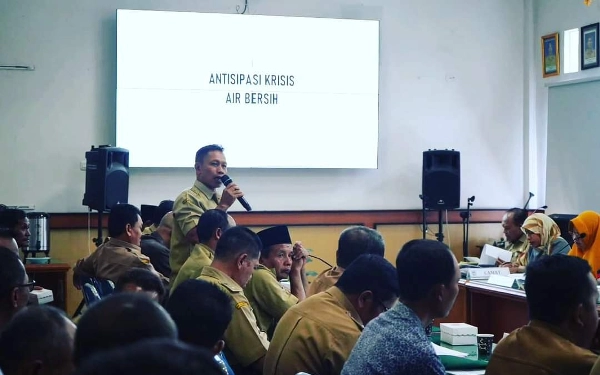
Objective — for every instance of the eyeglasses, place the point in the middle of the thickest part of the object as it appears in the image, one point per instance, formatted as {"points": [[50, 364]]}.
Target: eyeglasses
{"points": [[576, 236], [30, 285]]}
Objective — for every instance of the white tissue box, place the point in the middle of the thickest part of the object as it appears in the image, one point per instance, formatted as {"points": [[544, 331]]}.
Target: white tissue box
{"points": [[40, 297], [458, 334]]}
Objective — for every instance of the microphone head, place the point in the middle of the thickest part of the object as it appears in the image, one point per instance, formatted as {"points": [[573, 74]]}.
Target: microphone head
{"points": [[544, 207], [531, 195], [226, 180]]}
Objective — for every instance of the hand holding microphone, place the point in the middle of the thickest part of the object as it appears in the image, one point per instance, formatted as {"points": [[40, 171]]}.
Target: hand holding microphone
{"points": [[233, 192]]}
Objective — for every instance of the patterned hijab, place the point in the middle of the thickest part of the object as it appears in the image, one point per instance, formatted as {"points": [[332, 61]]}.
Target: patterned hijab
{"points": [[544, 226]]}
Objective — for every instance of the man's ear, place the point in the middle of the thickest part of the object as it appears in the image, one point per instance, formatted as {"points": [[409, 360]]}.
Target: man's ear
{"points": [[218, 233], [437, 292], [14, 297], [578, 315], [241, 259], [218, 347], [365, 298], [128, 229]]}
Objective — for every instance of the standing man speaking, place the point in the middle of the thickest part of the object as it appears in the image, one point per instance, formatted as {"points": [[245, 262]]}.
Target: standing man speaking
{"points": [[210, 166]]}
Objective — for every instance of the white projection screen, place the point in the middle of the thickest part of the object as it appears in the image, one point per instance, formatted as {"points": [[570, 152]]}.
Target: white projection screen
{"points": [[276, 92]]}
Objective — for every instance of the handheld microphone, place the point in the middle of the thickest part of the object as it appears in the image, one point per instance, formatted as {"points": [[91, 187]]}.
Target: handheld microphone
{"points": [[226, 180]]}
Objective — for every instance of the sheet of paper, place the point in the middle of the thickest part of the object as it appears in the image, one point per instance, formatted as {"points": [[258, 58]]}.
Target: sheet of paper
{"points": [[467, 372], [490, 254], [439, 350]]}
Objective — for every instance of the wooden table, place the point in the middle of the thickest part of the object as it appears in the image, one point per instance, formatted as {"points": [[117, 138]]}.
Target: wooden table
{"points": [[51, 276], [490, 308]]}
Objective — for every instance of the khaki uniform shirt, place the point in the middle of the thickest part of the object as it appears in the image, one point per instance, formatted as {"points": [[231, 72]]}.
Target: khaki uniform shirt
{"points": [[324, 281], [245, 343], [539, 349], [187, 209], [114, 258], [200, 257], [517, 248], [149, 230], [315, 336], [268, 298]]}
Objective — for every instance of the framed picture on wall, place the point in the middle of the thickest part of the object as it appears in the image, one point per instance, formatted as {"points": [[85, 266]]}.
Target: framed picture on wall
{"points": [[550, 55], [589, 46]]}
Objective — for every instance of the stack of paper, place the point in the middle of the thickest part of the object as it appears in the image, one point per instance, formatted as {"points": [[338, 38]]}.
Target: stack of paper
{"points": [[440, 350]]}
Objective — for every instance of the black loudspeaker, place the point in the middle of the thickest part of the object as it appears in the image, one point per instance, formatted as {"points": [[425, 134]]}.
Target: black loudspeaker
{"points": [[106, 177], [441, 179], [562, 220]]}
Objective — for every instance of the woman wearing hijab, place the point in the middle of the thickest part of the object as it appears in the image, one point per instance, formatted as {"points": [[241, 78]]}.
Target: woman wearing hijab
{"points": [[544, 240], [583, 229]]}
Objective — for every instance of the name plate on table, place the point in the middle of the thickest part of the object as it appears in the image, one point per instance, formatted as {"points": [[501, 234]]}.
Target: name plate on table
{"points": [[508, 282], [485, 273]]}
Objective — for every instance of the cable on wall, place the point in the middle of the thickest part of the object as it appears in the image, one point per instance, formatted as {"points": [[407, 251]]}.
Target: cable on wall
{"points": [[237, 8]]}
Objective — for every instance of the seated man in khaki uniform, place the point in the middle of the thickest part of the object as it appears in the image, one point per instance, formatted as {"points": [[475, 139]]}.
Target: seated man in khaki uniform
{"points": [[121, 252], [561, 296], [236, 256], [516, 239], [353, 242], [211, 226], [317, 335], [278, 261], [210, 165]]}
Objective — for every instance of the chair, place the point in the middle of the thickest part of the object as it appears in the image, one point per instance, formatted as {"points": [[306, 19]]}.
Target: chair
{"points": [[222, 361], [93, 289], [90, 294]]}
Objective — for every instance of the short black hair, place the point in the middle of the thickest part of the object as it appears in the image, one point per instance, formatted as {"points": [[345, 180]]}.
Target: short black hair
{"points": [[121, 215], [201, 312], [422, 264], [9, 219], [12, 271], [35, 333], [155, 356], [163, 208], [556, 284], [519, 215], [143, 278], [209, 222], [202, 152], [238, 240], [358, 240], [370, 272], [119, 320]]}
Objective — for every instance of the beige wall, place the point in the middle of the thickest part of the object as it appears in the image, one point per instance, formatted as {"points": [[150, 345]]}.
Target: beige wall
{"points": [[69, 245]]}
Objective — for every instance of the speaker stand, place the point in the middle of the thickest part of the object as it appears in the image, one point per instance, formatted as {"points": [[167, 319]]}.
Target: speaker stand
{"points": [[98, 241], [440, 234], [424, 217]]}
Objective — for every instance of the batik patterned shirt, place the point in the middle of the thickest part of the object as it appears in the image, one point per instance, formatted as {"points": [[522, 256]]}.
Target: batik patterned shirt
{"points": [[394, 343]]}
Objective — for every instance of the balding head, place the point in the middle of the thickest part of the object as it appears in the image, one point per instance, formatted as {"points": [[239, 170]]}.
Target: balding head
{"points": [[165, 228], [167, 220], [356, 241]]}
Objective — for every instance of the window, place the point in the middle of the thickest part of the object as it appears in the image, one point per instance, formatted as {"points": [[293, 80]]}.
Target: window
{"points": [[571, 50]]}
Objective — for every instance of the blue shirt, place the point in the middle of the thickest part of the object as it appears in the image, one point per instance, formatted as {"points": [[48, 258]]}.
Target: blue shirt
{"points": [[558, 246], [394, 343]]}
